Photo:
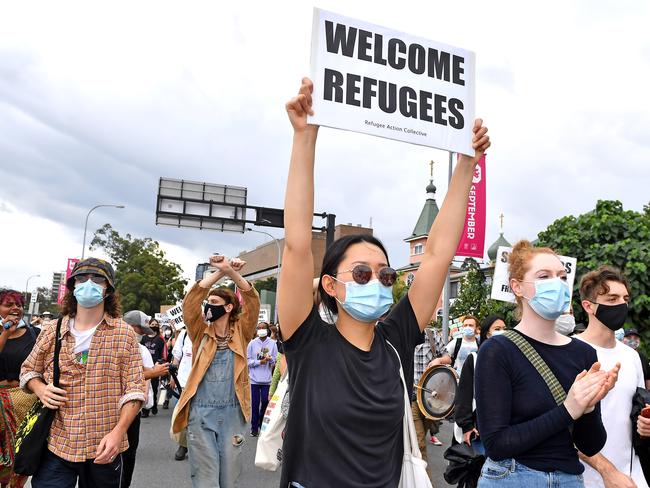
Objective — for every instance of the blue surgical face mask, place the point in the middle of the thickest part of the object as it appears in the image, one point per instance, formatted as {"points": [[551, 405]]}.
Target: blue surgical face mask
{"points": [[619, 334], [89, 294], [366, 303], [469, 332], [552, 298]]}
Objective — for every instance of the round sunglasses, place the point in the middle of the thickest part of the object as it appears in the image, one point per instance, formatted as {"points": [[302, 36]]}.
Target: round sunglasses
{"points": [[100, 280], [362, 274]]}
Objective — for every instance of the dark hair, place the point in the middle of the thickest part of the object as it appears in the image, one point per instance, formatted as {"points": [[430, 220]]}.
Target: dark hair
{"points": [[230, 298], [486, 324], [268, 327], [112, 305], [17, 297], [594, 283], [333, 257]]}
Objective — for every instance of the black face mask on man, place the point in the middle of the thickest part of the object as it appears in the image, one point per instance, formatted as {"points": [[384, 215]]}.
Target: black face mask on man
{"points": [[613, 316], [213, 312]]}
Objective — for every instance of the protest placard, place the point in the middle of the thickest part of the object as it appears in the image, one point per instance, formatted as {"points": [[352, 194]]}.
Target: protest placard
{"points": [[175, 315], [386, 83], [501, 284]]}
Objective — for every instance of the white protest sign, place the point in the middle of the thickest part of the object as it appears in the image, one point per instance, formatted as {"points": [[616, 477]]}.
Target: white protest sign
{"points": [[501, 284], [265, 313], [382, 82], [162, 318], [175, 315]]}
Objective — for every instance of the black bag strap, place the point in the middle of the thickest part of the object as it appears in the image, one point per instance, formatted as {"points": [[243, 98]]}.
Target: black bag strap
{"points": [[57, 351], [459, 343], [559, 395]]}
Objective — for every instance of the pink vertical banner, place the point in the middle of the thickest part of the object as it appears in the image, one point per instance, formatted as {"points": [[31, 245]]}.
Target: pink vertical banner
{"points": [[68, 272], [472, 241]]}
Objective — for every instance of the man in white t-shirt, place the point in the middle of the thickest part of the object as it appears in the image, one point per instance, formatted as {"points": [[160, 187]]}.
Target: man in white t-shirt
{"points": [[182, 353], [459, 349], [605, 296]]}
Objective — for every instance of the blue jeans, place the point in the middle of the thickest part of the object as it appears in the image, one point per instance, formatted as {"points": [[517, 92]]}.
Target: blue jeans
{"points": [[216, 428], [511, 474], [56, 472], [259, 402]]}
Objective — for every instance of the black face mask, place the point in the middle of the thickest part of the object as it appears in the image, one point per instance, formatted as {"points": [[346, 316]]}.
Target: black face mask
{"points": [[613, 316], [214, 312]]}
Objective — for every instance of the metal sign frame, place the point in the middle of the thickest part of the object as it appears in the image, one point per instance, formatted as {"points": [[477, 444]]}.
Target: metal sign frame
{"points": [[224, 208]]}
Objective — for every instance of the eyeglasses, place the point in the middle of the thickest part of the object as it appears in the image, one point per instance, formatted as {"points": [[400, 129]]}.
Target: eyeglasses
{"points": [[100, 280], [362, 274]]}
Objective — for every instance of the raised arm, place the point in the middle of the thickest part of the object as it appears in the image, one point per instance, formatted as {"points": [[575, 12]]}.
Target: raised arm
{"points": [[445, 232], [295, 288]]}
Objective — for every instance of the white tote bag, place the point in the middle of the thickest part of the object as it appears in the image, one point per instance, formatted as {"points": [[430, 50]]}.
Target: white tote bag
{"points": [[414, 468], [270, 439]]}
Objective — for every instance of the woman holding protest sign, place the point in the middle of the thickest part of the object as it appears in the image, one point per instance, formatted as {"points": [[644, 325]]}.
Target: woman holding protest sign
{"points": [[347, 399]]}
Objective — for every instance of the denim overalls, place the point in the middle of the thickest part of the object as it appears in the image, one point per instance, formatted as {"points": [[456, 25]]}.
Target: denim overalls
{"points": [[216, 428]]}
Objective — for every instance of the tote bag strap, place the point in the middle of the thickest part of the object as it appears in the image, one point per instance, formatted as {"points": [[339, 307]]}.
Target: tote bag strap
{"points": [[539, 364], [57, 352], [409, 435]]}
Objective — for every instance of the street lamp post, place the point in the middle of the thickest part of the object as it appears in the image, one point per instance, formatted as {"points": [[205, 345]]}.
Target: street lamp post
{"points": [[83, 249], [27, 285], [277, 274]]}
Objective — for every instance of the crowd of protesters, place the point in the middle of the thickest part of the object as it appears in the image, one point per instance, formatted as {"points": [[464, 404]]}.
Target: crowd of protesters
{"points": [[539, 402]]}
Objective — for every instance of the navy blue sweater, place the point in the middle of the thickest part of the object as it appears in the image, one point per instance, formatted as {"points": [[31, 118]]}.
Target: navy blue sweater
{"points": [[517, 415]]}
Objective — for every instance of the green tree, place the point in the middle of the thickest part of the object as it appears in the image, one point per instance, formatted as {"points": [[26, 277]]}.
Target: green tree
{"points": [[143, 276], [269, 284], [474, 296], [47, 300], [608, 235], [400, 288]]}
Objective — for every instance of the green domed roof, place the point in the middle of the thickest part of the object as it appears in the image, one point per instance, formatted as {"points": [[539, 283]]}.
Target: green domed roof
{"points": [[501, 241], [428, 214]]}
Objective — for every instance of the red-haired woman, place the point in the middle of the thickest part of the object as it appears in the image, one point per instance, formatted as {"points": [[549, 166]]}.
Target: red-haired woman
{"points": [[216, 402], [16, 342], [531, 435]]}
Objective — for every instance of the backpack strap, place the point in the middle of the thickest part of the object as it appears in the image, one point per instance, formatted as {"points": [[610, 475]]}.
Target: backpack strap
{"points": [[538, 363], [459, 343]]}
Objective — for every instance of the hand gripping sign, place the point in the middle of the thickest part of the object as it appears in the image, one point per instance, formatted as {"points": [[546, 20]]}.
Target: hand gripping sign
{"points": [[501, 284], [378, 81]]}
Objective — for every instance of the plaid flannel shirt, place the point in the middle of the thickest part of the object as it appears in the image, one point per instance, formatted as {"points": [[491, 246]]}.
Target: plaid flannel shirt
{"points": [[425, 353], [96, 391]]}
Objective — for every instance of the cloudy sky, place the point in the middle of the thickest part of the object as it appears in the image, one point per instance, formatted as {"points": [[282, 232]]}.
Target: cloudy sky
{"points": [[98, 100]]}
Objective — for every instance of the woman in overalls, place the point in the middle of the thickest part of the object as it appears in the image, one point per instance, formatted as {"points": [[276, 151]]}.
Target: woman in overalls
{"points": [[216, 405]]}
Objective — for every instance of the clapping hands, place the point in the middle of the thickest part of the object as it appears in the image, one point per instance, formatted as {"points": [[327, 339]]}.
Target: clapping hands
{"points": [[589, 388]]}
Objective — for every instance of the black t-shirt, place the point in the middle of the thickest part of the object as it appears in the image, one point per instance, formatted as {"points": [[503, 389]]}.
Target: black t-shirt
{"points": [[14, 354], [155, 345], [344, 427]]}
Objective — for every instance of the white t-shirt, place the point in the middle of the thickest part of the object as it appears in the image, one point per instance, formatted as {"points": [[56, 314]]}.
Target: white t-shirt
{"points": [[147, 362], [466, 348], [183, 352], [615, 410], [82, 340]]}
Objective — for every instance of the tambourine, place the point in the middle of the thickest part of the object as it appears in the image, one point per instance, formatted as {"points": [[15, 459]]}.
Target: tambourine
{"points": [[436, 392]]}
